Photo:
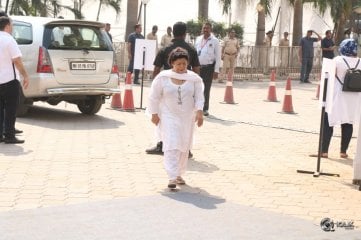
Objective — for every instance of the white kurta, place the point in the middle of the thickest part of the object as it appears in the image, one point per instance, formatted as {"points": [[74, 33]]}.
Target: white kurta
{"points": [[176, 106], [345, 107]]}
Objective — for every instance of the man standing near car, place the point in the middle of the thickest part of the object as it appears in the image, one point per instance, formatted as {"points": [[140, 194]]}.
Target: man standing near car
{"points": [[107, 29], [131, 49], [10, 66], [161, 61], [209, 54]]}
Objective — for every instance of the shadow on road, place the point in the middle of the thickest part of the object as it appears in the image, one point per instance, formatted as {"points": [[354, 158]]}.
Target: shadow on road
{"points": [[199, 166], [195, 196], [66, 120], [13, 150]]}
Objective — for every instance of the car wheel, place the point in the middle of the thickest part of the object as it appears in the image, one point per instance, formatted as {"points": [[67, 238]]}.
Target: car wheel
{"points": [[91, 105]]}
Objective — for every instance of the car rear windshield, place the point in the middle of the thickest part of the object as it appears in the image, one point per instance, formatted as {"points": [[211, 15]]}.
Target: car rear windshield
{"points": [[71, 37]]}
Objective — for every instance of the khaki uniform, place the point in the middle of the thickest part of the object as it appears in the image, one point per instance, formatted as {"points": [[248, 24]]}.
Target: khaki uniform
{"points": [[284, 52], [150, 36], [230, 52], [166, 40]]}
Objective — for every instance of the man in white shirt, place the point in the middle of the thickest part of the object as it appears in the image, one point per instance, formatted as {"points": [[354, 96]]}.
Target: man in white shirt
{"points": [[209, 54], [10, 66], [166, 38]]}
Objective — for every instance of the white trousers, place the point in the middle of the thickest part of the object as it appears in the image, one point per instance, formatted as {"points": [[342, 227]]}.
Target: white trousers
{"points": [[175, 163]]}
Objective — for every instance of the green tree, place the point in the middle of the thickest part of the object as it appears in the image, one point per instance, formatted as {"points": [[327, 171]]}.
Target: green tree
{"points": [[114, 4], [297, 21], [203, 7], [39, 8], [194, 29], [263, 10], [341, 13], [132, 17]]}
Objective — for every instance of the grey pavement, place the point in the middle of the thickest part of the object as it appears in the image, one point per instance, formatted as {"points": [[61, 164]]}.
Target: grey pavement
{"points": [[81, 177]]}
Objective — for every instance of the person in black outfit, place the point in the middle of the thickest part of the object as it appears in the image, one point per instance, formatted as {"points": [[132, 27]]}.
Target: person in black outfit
{"points": [[2, 108], [107, 29], [328, 46], [131, 49], [9, 82], [161, 61]]}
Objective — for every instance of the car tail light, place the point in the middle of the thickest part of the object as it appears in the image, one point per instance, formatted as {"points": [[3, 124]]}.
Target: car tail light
{"points": [[44, 65]]}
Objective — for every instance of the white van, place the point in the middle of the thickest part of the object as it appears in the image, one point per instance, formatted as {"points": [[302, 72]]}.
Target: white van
{"points": [[67, 60]]}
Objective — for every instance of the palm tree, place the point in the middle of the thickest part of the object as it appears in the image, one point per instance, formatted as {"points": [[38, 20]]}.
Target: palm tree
{"points": [[341, 12], [132, 14], [203, 6], [297, 21], [115, 4], [40, 8], [263, 9]]}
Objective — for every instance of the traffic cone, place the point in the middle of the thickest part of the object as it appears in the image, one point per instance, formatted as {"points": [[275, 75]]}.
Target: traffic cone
{"points": [[116, 101], [318, 89], [272, 88], [228, 95], [128, 103], [317, 92], [287, 101]]}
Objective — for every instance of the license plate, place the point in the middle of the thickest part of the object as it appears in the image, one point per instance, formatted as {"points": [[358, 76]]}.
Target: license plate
{"points": [[82, 65]]}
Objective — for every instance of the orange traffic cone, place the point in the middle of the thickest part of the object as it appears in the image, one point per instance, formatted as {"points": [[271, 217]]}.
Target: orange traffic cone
{"points": [[317, 92], [116, 101], [318, 89], [128, 103], [272, 88], [287, 101], [228, 95]]}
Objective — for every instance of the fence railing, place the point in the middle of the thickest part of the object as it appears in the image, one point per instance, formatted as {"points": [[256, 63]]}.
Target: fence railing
{"points": [[253, 63]]}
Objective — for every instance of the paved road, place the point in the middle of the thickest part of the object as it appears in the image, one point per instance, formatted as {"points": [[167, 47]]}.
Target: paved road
{"points": [[81, 177]]}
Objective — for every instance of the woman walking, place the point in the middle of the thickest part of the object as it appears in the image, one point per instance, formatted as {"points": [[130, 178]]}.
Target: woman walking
{"points": [[176, 102]]}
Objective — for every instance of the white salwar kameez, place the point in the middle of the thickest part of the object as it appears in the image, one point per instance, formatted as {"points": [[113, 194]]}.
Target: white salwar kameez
{"points": [[343, 107], [176, 106]]}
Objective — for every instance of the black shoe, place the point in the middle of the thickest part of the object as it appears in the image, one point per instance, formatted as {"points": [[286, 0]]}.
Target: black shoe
{"points": [[205, 113], [18, 131], [172, 184], [307, 81], [1, 139], [156, 150], [190, 155], [13, 140]]}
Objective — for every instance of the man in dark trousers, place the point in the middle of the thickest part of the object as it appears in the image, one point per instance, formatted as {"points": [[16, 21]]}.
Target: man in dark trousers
{"points": [[209, 54], [305, 54], [328, 46], [2, 110], [10, 66], [131, 49], [161, 61]]}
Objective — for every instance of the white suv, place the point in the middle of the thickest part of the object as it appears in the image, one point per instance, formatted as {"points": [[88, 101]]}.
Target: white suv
{"points": [[67, 60]]}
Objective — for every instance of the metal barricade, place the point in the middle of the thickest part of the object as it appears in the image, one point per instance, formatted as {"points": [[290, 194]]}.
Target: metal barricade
{"points": [[253, 62], [256, 63]]}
